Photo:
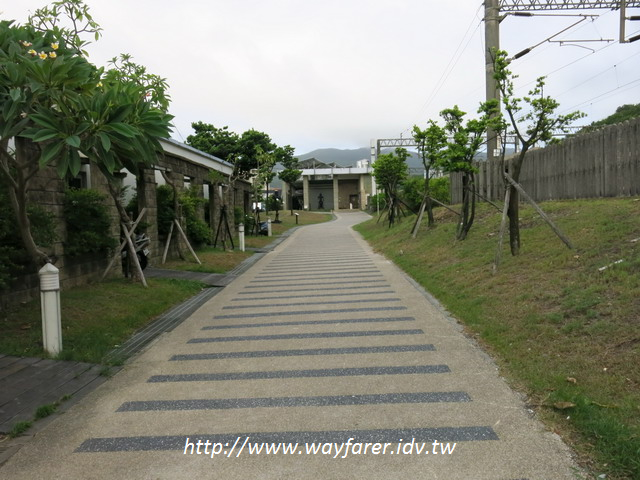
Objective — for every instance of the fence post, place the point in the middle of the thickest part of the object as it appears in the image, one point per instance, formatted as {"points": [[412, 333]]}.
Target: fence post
{"points": [[241, 235]]}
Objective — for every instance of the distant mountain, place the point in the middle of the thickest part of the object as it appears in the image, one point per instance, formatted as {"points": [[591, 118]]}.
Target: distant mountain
{"points": [[345, 158], [349, 157]]}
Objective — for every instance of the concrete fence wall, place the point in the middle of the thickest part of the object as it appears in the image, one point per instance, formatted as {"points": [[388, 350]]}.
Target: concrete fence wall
{"points": [[604, 163]]}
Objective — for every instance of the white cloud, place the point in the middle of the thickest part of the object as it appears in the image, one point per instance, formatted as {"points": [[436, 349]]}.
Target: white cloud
{"points": [[338, 73]]}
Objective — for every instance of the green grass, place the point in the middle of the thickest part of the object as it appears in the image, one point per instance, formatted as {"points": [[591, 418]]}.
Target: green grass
{"points": [[548, 314], [95, 318], [218, 260], [19, 428]]}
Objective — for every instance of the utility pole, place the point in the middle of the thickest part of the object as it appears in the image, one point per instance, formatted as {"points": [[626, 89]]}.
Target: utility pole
{"points": [[492, 43]]}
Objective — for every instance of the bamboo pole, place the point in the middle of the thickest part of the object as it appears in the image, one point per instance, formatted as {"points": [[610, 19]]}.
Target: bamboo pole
{"points": [[166, 247], [134, 257]]}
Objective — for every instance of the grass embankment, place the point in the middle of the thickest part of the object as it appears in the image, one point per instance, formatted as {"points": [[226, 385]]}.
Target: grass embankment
{"points": [[218, 260], [563, 331]]}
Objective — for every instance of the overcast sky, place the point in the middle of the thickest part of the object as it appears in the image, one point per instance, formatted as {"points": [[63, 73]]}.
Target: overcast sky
{"points": [[338, 73]]}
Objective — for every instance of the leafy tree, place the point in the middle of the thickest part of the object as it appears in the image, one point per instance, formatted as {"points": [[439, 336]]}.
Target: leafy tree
{"points": [[390, 170], [291, 173], [431, 143], [220, 142], [241, 150], [56, 105], [535, 124], [463, 144]]}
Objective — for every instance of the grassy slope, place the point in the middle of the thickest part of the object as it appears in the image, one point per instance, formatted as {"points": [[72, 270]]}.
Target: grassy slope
{"points": [[561, 330]]}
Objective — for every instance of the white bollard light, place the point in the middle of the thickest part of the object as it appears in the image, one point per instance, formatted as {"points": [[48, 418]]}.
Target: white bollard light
{"points": [[269, 233], [50, 306], [241, 235]]}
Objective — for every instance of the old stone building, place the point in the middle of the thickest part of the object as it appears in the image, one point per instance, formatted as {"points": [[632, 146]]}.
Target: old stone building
{"points": [[183, 165]]}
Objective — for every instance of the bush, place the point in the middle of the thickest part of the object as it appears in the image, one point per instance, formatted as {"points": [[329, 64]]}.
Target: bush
{"points": [[88, 223], [166, 215], [413, 191], [197, 230]]}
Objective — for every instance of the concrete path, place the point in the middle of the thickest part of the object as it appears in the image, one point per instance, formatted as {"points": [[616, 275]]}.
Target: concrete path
{"points": [[321, 342]]}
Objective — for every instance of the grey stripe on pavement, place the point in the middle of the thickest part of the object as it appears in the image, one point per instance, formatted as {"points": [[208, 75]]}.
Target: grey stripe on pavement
{"points": [[333, 302], [393, 436], [321, 372], [294, 336], [309, 312], [311, 322], [274, 402], [305, 351]]}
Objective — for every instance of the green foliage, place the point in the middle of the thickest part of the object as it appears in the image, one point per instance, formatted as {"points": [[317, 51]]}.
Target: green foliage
{"points": [[274, 203], [13, 257], [197, 230], [57, 105], [166, 214], [622, 114], [441, 189], [243, 151], [88, 222], [390, 170], [413, 191], [44, 411], [238, 215]]}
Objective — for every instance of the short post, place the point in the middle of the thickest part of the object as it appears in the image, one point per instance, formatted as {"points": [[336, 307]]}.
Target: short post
{"points": [[50, 307], [297, 215], [241, 235], [269, 233]]}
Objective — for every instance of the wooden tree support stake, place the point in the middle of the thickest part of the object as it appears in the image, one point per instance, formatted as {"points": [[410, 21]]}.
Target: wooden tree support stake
{"points": [[557, 231], [166, 247], [134, 256], [118, 252], [184, 237]]}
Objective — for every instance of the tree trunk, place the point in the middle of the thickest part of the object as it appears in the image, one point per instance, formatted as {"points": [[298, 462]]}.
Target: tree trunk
{"points": [[514, 205], [18, 193], [462, 230], [514, 221]]}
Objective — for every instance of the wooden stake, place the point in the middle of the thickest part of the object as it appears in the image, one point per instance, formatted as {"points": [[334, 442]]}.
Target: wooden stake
{"points": [[416, 226], [539, 210], [187, 242], [166, 247], [124, 242], [134, 257]]}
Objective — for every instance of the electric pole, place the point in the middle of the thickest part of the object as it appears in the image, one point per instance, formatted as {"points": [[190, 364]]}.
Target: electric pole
{"points": [[492, 43]]}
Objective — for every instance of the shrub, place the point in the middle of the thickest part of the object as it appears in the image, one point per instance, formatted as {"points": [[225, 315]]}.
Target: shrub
{"points": [[197, 230], [88, 222], [166, 215]]}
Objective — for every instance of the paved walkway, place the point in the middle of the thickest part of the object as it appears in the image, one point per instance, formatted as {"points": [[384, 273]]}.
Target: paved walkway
{"points": [[320, 341]]}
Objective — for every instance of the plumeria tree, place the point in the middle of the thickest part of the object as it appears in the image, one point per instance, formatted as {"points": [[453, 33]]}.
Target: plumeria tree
{"points": [[57, 108]]}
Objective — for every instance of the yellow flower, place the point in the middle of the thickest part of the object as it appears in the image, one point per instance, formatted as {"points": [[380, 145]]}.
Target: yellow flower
{"points": [[32, 52], [42, 55], [52, 54], [54, 45], [26, 44], [99, 84]]}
